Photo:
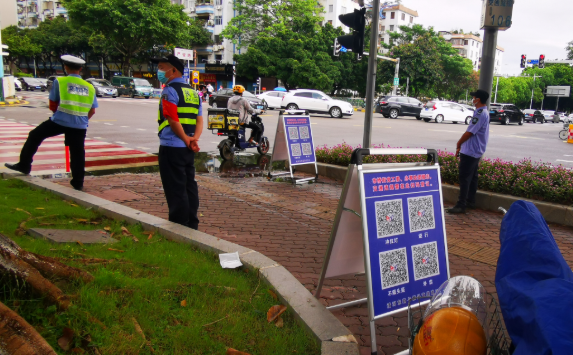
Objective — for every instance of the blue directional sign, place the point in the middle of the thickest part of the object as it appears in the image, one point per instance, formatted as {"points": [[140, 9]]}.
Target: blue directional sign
{"points": [[186, 74], [343, 49], [533, 61]]}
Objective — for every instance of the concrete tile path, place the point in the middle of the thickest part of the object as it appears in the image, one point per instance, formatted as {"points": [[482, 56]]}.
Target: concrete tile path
{"points": [[292, 225]]}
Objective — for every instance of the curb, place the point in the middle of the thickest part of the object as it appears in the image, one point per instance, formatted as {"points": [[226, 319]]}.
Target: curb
{"points": [[490, 201], [324, 326], [13, 103]]}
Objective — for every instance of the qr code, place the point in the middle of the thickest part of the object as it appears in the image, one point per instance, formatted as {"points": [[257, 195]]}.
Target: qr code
{"points": [[295, 150], [293, 133], [306, 149], [421, 211], [393, 267], [425, 260], [304, 133], [389, 218]]}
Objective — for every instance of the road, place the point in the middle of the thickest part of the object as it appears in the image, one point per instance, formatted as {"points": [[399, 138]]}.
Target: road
{"points": [[132, 123]]}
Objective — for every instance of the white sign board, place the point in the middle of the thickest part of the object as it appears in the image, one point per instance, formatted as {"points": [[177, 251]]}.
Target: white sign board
{"points": [[497, 14], [185, 54], [558, 91]]}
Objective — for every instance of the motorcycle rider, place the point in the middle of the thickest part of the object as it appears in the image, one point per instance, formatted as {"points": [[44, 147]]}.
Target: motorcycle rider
{"points": [[238, 102]]}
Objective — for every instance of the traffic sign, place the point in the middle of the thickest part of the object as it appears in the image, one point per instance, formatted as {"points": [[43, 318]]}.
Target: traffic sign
{"points": [[533, 61], [195, 76], [396, 81]]}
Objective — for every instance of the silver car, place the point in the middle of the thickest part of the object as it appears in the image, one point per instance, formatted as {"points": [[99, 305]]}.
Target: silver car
{"points": [[103, 88]]}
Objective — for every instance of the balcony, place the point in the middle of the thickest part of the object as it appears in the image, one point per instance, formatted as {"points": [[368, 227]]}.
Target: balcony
{"points": [[210, 28], [32, 14], [204, 49], [204, 9], [61, 11]]}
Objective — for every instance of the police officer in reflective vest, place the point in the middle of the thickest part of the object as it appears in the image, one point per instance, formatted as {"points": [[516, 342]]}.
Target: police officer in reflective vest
{"points": [[73, 101], [180, 122]]}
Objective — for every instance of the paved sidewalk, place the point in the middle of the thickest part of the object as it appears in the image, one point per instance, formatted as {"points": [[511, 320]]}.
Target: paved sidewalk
{"points": [[292, 225]]}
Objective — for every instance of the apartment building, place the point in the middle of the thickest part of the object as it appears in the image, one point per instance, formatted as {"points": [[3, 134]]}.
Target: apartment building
{"points": [[32, 12], [470, 46], [391, 19], [8, 14], [335, 8]]}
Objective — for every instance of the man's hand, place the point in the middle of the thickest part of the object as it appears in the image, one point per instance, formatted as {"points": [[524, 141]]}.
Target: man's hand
{"points": [[193, 144], [458, 152]]}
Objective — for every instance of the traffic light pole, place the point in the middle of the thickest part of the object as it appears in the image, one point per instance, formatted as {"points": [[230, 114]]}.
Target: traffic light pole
{"points": [[488, 61], [396, 71], [370, 92]]}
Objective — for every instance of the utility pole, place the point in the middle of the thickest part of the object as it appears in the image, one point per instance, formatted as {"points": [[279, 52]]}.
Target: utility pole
{"points": [[532, 89], [407, 85], [396, 77], [488, 60], [496, 85], [370, 87]]}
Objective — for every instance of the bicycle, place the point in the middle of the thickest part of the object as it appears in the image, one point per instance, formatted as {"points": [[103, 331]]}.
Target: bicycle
{"points": [[564, 133]]}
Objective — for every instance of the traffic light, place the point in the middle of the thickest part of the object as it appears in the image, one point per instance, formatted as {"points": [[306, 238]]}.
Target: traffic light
{"points": [[258, 81], [542, 61], [337, 47], [355, 41], [398, 92], [523, 60]]}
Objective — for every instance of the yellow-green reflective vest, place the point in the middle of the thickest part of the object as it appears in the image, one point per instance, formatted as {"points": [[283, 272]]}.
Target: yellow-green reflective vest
{"points": [[187, 108], [76, 96]]}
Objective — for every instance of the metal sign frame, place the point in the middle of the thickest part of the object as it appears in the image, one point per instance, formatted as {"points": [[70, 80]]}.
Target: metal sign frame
{"points": [[281, 149], [348, 250], [558, 91]]}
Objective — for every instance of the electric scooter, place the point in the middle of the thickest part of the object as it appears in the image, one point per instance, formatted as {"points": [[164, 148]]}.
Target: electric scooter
{"points": [[226, 123]]}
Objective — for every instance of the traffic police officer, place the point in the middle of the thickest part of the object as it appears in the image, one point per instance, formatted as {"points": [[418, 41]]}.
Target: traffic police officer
{"points": [[73, 102], [180, 122], [470, 149]]}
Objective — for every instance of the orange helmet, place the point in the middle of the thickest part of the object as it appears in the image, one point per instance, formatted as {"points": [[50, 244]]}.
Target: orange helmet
{"points": [[239, 89]]}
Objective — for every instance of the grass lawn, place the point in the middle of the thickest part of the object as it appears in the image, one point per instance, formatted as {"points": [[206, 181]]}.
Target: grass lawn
{"points": [[180, 297]]}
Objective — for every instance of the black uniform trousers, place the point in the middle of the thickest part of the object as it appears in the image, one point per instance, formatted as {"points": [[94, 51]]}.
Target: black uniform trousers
{"points": [[468, 180], [255, 131], [74, 138], [177, 170]]}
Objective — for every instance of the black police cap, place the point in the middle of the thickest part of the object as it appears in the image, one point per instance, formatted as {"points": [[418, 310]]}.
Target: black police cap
{"points": [[171, 59], [480, 94]]}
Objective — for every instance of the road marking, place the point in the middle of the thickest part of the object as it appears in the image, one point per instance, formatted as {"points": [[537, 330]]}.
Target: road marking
{"points": [[10, 119], [121, 143], [443, 130], [141, 129], [361, 125], [109, 124], [567, 161], [568, 155], [124, 126], [144, 148]]}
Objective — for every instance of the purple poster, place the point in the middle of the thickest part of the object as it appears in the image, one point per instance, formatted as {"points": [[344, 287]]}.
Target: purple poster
{"points": [[299, 140]]}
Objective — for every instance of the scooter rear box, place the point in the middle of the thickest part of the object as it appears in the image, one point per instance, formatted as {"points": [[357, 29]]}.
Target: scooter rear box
{"points": [[223, 119]]}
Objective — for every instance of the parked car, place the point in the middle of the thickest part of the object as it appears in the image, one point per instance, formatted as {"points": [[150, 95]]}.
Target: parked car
{"points": [[506, 114], [394, 106], [471, 108], [534, 116], [31, 84], [563, 117], [272, 99], [220, 98], [132, 87], [445, 111], [17, 84], [316, 101], [103, 87], [549, 115], [51, 81]]}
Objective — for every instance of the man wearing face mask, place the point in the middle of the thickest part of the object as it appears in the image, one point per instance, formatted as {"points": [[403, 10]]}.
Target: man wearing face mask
{"points": [[470, 149], [180, 122]]}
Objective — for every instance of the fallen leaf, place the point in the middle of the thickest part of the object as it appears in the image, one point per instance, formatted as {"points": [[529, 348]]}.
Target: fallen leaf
{"points": [[107, 228], [274, 312], [135, 239], [184, 303], [39, 208], [112, 234], [200, 214], [125, 231], [279, 322], [345, 339], [121, 251], [78, 351], [231, 351], [138, 328], [83, 220], [66, 339], [150, 236], [73, 204], [80, 243], [273, 295]]}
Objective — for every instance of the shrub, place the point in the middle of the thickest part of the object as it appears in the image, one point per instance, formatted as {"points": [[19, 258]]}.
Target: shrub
{"points": [[539, 181]]}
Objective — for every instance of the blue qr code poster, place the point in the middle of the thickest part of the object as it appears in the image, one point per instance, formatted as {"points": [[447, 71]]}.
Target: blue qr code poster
{"points": [[404, 225], [299, 140]]}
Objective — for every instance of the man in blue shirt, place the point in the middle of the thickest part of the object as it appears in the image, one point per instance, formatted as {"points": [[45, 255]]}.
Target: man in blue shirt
{"points": [[180, 120], [470, 149], [73, 102]]}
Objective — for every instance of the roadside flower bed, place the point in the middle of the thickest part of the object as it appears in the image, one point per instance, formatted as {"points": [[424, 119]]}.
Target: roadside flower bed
{"points": [[528, 179]]}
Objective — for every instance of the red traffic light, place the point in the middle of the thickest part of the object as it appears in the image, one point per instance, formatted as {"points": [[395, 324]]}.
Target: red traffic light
{"points": [[542, 56]]}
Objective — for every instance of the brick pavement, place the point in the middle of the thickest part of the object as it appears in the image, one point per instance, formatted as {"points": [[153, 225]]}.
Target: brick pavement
{"points": [[292, 225]]}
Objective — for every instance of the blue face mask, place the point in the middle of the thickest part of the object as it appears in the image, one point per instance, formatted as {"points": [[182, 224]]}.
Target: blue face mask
{"points": [[161, 77]]}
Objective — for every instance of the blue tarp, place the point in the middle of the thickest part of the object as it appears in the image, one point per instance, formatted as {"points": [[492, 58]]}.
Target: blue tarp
{"points": [[534, 284]]}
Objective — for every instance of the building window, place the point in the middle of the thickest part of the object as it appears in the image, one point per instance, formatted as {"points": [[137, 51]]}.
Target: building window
{"points": [[392, 15], [218, 20], [383, 28], [218, 2], [383, 15], [403, 17], [330, 21], [343, 9], [382, 40], [330, 8], [411, 19], [391, 27]]}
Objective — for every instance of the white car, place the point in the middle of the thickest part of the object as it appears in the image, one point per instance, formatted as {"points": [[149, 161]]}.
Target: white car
{"points": [[316, 102], [17, 84], [272, 99], [445, 111]]}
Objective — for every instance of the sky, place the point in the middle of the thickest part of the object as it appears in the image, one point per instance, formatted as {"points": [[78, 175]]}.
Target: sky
{"points": [[539, 27]]}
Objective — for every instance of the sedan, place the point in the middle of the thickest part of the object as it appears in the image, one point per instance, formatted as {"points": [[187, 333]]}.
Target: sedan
{"points": [[272, 99], [534, 116], [103, 88], [550, 116], [506, 114], [31, 84], [220, 98], [444, 111]]}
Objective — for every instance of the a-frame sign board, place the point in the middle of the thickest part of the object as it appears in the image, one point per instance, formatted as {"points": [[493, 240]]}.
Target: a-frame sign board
{"points": [[294, 142], [389, 225]]}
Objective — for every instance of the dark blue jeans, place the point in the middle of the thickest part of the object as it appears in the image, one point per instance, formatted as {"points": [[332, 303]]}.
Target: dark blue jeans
{"points": [[468, 180]]}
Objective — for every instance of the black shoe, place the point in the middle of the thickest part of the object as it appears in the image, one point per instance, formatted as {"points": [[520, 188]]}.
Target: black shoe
{"points": [[77, 187], [17, 167], [471, 206], [456, 210]]}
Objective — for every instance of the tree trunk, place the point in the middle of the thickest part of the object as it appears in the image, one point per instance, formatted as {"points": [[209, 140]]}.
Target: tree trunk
{"points": [[18, 337]]}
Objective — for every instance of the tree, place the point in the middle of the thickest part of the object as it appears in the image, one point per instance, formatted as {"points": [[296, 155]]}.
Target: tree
{"points": [[569, 50], [133, 27], [255, 17], [20, 45]]}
